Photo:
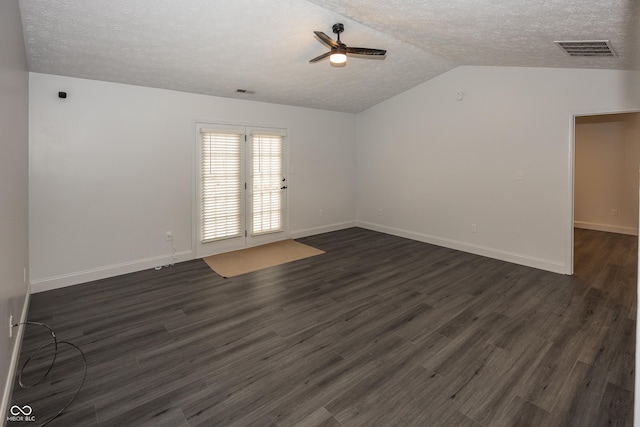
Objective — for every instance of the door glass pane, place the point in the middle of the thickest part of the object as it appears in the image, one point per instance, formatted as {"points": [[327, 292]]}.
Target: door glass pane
{"points": [[222, 186], [266, 184]]}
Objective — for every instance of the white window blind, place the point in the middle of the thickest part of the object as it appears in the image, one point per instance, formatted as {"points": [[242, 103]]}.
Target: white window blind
{"points": [[221, 185], [267, 183]]}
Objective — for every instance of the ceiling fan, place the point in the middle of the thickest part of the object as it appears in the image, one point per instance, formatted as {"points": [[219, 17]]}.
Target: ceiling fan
{"points": [[339, 51]]}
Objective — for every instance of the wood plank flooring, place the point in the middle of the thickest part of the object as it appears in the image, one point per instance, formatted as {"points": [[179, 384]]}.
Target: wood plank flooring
{"points": [[378, 331]]}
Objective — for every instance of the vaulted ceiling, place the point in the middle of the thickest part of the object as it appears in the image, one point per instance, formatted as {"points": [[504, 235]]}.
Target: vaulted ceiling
{"points": [[215, 47]]}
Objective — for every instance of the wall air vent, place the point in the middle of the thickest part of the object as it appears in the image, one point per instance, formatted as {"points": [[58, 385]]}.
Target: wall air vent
{"points": [[590, 48]]}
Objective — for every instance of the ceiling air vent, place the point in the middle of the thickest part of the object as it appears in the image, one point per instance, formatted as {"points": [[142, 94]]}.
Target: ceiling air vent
{"points": [[591, 48]]}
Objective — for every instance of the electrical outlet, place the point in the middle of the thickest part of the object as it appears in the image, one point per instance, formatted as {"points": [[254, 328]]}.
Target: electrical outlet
{"points": [[614, 212], [379, 212], [10, 325], [321, 212], [168, 236], [473, 228]]}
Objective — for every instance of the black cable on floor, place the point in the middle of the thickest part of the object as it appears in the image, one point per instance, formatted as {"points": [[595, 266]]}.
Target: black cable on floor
{"points": [[55, 343]]}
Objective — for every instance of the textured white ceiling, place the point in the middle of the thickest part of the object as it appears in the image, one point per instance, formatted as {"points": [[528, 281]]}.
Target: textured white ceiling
{"points": [[504, 32], [215, 47]]}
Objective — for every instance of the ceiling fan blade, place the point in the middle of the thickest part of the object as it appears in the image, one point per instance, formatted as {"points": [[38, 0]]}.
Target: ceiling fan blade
{"points": [[325, 39], [366, 51], [321, 57]]}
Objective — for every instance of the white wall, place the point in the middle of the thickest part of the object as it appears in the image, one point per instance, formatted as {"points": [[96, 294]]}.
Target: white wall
{"points": [[111, 171], [435, 165], [14, 250], [607, 157]]}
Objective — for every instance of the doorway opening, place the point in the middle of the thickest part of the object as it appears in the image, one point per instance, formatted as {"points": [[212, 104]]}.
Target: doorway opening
{"points": [[606, 160]]}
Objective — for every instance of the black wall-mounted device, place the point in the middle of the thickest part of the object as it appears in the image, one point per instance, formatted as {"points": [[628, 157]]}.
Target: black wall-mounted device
{"points": [[62, 95]]}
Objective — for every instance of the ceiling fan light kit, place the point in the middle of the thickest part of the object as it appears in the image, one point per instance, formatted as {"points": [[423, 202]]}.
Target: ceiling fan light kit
{"points": [[339, 51], [338, 58]]}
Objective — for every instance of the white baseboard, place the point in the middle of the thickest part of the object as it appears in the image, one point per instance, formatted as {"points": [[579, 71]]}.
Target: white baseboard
{"points": [[15, 357], [322, 229], [49, 283], [633, 231], [540, 263]]}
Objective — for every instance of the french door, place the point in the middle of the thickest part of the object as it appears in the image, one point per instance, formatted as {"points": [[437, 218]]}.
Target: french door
{"points": [[240, 187]]}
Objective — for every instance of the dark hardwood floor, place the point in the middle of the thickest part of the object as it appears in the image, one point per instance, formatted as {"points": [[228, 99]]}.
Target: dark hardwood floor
{"points": [[379, 330]]}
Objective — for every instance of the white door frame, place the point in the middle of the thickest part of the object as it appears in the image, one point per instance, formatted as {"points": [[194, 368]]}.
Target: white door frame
{"points": [[225, 245], [570, 238]]}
